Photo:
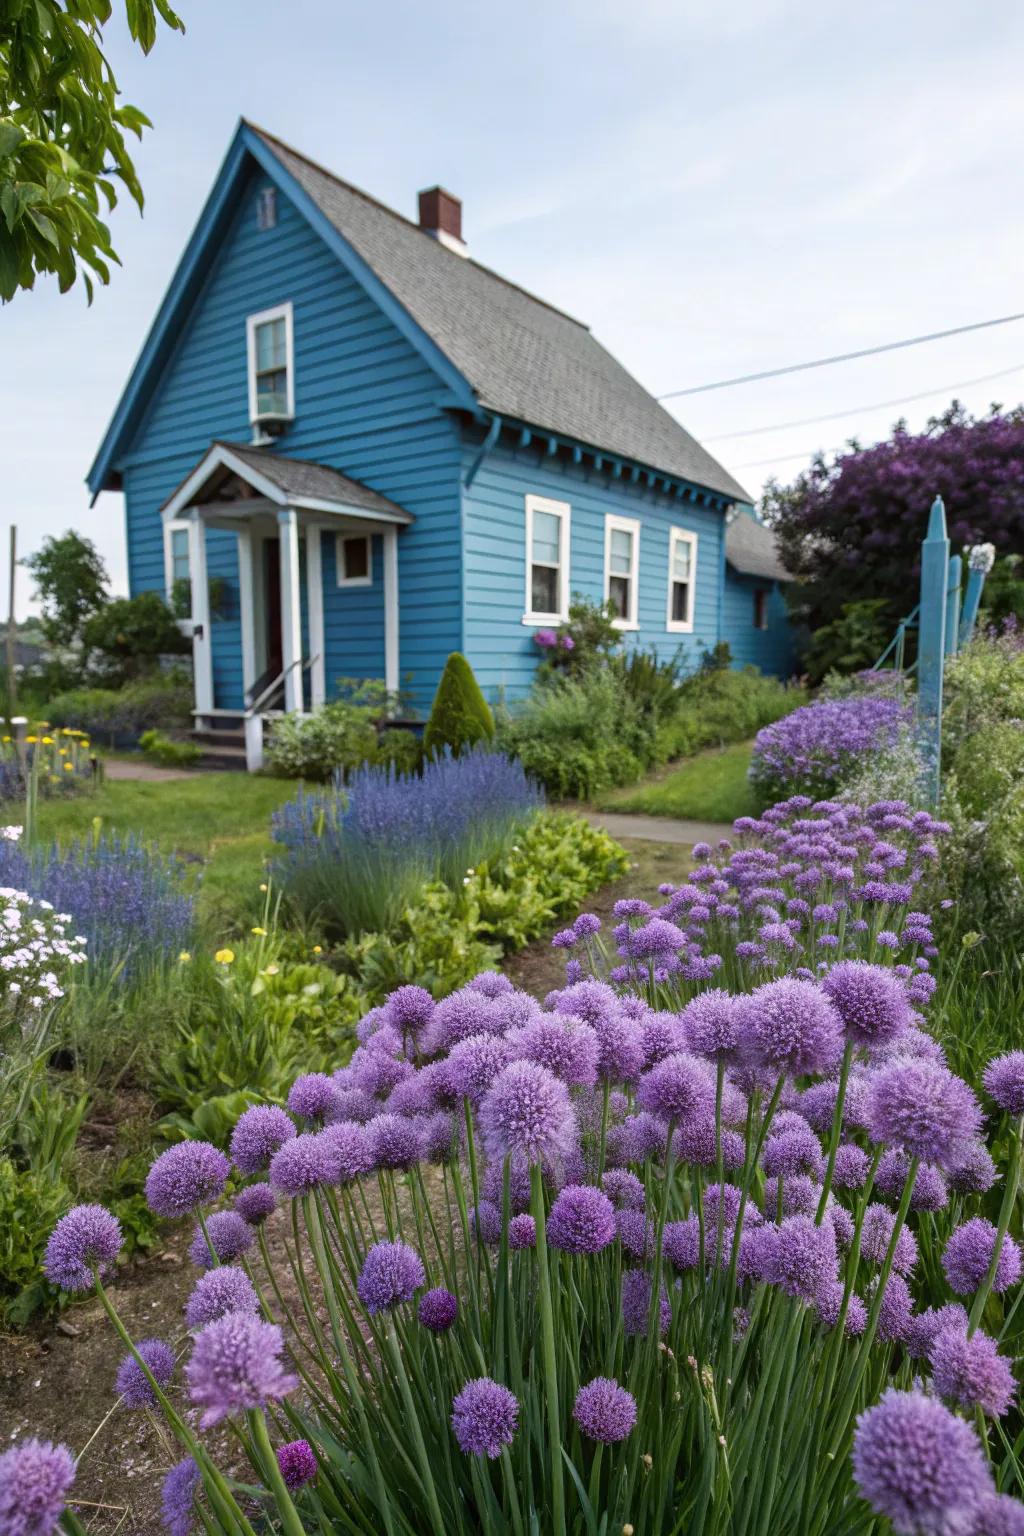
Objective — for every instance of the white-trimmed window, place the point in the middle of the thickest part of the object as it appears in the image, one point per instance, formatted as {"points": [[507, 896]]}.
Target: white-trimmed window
{"points": [[178, 568], [622, 568], [354, 559], [682, 580], [271, 364], [547, 561]]}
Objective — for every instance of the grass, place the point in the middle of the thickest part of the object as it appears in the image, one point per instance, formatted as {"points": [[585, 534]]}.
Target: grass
{"points": [[219, 821], [712, 786]]}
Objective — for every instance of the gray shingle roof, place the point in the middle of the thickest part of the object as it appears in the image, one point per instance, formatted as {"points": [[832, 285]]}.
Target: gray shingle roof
{"points": [[750, 548], [522, 358], [300, 477]]}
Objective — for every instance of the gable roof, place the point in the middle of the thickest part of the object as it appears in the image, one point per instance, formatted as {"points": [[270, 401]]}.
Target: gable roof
{"points": [[286, 482], [496, 347], [751, 549]]}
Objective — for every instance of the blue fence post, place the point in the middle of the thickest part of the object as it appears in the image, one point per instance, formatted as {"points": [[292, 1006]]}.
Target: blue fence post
{"points": [[932, 644], [956, 567], [980, 560]]}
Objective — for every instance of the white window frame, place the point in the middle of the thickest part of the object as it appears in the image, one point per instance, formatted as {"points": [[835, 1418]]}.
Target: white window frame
{"points": [[563, 511], [339, 560], [681, 626], [177, 525], [631, 525], [264, 317]]}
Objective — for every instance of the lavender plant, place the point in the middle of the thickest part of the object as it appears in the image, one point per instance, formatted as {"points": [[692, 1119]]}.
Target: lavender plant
{"points": [[816, 748], [653, 1255]]}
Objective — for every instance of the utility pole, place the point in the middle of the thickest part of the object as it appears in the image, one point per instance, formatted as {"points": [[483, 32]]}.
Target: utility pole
{"points": [[11, 631]]}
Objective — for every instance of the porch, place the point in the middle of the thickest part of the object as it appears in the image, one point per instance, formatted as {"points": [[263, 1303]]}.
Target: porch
{"points": [[279, 511]]}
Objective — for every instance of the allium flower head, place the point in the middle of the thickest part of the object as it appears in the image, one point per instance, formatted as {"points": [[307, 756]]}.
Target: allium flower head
{"points": [[975, 1172], [802, 1257], [636, 1303], [876, 1235], [178, 1497], [919, 1465], [527, 1111], [793, 1150], [88, 1238], [620, 1040], [567, 1047], [677, 1089], [255, 1203], [921, 1106], [930, 1192], [230, 1235], [467, 1012], [438, 1310], [186, 1176], [225, 1289], [393, 1141], [896, 1311], [582, 1220], [998, 1514], [1004, 1081], [35, 1479], [791, 1026], [712, 1025], [484, 1417], [680, 1243], [303, 1164], [298, 1464], [410, 1009], [132, 1383], [350, 1149], [258, 1133], [851, 1167], [870, 1000], [392, 1273], [925, 1327], [522, 1232], [623, 1189], [968, 1255], [605, 1411], [472, 1065], [485, 1222], [236, 1365], [971, 1372]]}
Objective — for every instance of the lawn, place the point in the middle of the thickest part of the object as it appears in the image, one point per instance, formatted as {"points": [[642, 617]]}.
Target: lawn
{"points": [[712, 786], [219, 821]]}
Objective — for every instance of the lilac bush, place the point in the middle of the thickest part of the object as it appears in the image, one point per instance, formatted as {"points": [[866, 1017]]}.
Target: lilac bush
{"points": [[814, 749]]}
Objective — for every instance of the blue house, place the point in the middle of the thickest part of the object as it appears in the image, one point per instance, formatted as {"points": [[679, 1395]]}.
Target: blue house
{"points": [[755, 619], [348, 449]]}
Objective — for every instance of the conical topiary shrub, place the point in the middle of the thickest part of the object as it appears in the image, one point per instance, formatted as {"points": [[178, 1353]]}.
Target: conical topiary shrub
{"points": [[460, 715]]}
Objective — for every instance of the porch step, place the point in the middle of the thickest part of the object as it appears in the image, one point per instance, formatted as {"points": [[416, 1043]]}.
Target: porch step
{"points": [[221, 749]]}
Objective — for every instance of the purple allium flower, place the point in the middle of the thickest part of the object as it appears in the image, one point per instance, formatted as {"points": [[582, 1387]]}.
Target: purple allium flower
{"points": [[919, 1465], [623, 1189], [971, 1372], [392, 1273], [876, 1235], [438, 1310], [1004, 1081], [998, 1514], [925, 1327], [377, 1071], [842, 1223], [258, 1133], [802, 1257], [437, 1138], [921, 1106], [35, 1480], [567, 1047], [851, 1167], [255, 1203], [303, 1164], [662, 1036], [586, 924], [522, 1232], [975, 1174], [968, 1255], [484, 1417], [527, 1111], [472, 1066], [349, 1149], [930, 1191], [186, 1176], [352, 1103], [409, 1009], [605, 1411], [793, 1150], [620, 1040], [393, 1141], [896, 1311], [582, 1220], [677, 1089], [680, 1243], [236, 1364], [635, 1233], [298, 1464], [800, 1195], [88, 1238], [829, 1303], [636, 1303], [132, 1383], [869, 999], [565, 938], [485, 1222], [712, 1025], [225, 1289], [791, 1027], [470, 1011], [230, 1235], [178, 1497]]}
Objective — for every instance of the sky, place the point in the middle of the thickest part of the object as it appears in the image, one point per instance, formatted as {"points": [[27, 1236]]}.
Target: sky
{"points": [[716, 186]]}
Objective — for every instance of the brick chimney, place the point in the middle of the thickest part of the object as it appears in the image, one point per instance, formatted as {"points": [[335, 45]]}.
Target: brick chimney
{"points": [[441, 217]]}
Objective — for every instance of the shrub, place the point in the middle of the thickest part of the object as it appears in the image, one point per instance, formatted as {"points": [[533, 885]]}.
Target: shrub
{"points": [[170, 754], [30, 1203], [126, 638], [578, 735], [815, 749], [717, 705], [460, 716], [113, 714], [850, 642], [589, 638], [336, 738]]}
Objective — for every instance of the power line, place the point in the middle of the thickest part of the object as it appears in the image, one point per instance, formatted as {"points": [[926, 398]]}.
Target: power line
{"points": [[842, 357], [856, 410]]}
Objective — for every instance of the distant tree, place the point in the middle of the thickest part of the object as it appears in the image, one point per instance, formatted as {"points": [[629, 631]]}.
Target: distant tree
{"points": [[62, 137], [851, 528], [71, 584], [125, 638]]}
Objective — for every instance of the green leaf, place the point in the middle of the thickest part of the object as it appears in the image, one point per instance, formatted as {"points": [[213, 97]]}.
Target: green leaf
{"points": [[44, 226], [10, 137]]}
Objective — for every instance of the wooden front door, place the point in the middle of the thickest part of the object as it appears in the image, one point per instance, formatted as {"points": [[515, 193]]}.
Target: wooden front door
{"points": [[272, 605]]}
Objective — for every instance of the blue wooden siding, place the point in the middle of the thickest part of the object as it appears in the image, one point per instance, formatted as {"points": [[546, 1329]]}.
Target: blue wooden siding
{"points": [[354, 620], [770, 649], [365, 402], [498, 644]]}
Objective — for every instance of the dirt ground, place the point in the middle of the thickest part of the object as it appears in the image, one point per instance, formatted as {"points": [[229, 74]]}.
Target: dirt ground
{"points": [[56, 1380]]}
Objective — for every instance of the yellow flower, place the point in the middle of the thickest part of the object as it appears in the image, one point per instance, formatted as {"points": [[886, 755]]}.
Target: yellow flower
{"points": [[318, 949], [271, 969], [47, 741], [260, 933], [31, 739], [69, 767], [224, 956], [7, 738], [184, 957], [262, 887]]}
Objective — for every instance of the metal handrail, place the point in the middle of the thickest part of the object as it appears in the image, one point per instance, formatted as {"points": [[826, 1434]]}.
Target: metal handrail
{"points": [[898, 641], [257, 704]]}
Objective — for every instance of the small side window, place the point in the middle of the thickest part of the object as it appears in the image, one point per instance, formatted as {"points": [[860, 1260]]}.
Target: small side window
{"points": [[760, 609], [266, 208], [354, 560]]}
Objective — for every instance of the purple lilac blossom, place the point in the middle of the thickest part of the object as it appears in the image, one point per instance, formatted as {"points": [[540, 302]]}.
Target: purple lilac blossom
{"points": [[567, 1048], [87, 1239], [605, 1411], [392, 1273], [485, 1416], [712, 1025], [409, 1009], [186, 1176], [235, 1366], [258, 1133], [918, 1464], [225, 1289], [851, 1166], [132, 1384], [968, 1255]]}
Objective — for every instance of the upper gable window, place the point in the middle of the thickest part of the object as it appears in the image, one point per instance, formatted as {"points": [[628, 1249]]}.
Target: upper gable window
{"points": [[271, 365], [266, 208], [682, 580], [547, 561], [622, 568]]}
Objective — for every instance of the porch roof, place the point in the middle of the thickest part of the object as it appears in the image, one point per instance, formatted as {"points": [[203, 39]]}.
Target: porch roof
{"points": [[235, 473]]}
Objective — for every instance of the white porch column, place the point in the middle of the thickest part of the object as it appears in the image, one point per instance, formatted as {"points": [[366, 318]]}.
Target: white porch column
{"points": [[202, 649], [391, 609], [246, 607], [315, 608], [291, 614]]}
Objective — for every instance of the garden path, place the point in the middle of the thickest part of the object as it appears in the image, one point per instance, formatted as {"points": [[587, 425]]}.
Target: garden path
{"points": [[143, 772], [659, 829]]}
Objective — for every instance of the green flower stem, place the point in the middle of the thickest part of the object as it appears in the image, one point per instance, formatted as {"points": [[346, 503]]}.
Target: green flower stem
{"points": [[1005, 1212], [837, 1126], [550, 1359], [508, 1476], [290, 1522], [415, 1430]]}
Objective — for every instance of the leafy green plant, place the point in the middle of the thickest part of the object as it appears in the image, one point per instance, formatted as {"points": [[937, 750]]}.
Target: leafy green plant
{"points": [[589, 638], [160, 748], [30, 1204], [852, 641], [337, 738], [578, 735], [159, 703], [716, 706], [460, 716], [126, 638]]}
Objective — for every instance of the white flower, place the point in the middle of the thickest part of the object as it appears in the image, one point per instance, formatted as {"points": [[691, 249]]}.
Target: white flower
{"points": [[981, 557]]}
